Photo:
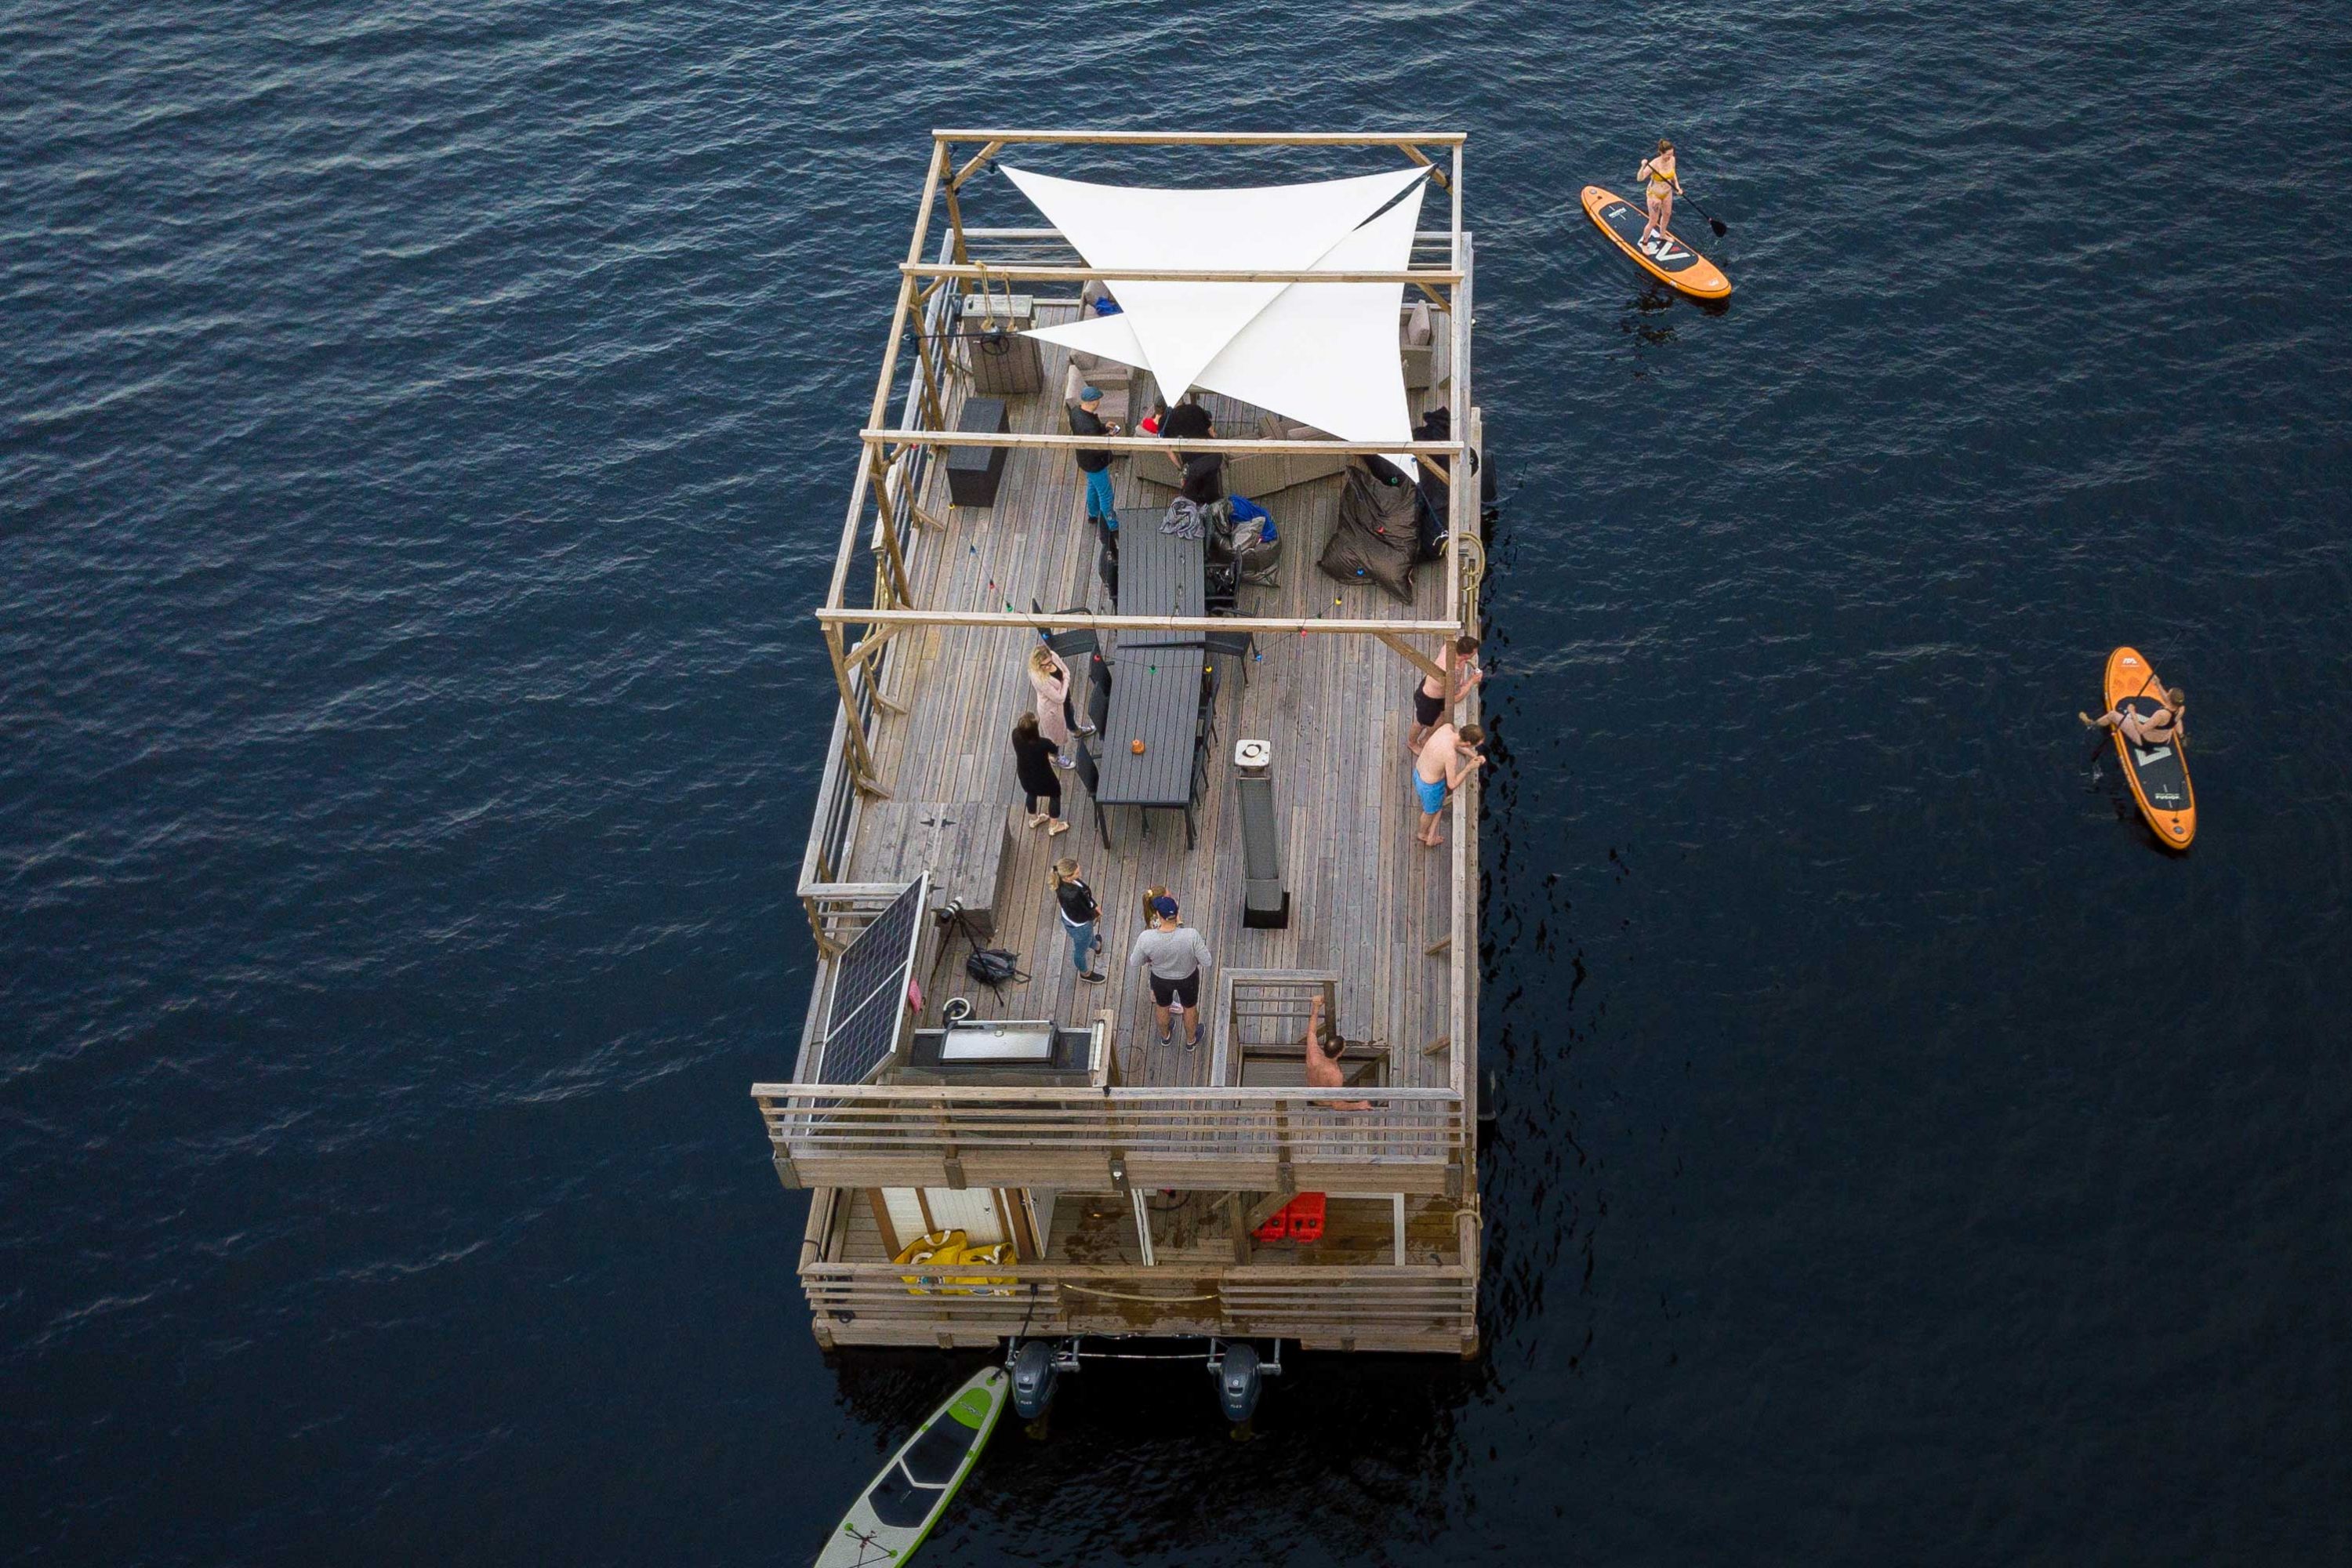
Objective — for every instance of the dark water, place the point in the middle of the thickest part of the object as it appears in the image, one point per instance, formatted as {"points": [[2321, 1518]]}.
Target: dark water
{"points": [[424, 428]]}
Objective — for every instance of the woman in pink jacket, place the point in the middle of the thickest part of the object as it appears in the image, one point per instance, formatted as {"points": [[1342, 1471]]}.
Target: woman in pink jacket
{"points": [[1050, 678]]}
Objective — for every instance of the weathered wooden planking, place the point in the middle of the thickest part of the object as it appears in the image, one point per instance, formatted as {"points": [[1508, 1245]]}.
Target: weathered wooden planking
{"points": [[1368, 902], [963, 844]]}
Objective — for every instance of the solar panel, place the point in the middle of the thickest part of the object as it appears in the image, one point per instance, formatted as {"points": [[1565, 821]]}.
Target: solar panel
{"points": [[869, 988]]}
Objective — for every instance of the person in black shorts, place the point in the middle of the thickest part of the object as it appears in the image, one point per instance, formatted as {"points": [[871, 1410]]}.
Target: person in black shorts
{"points": [[1433, 698], [1178, 957]]}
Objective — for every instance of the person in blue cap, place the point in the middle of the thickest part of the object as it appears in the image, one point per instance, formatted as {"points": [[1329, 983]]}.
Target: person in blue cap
{"points": [[1178, 957], [1087, 419]]}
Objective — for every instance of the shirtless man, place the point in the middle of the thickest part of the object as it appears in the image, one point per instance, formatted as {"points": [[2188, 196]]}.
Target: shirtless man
{"points": [[1434, 698], [1323, 1048], [1447, 757]]}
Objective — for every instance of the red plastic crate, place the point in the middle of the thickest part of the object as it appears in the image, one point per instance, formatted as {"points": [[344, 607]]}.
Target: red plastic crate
{"points": [[1300, 1219]]}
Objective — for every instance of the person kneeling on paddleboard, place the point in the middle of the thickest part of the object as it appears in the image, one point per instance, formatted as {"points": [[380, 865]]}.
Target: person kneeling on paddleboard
{"points": [[1664, 186], [2144, 729]]}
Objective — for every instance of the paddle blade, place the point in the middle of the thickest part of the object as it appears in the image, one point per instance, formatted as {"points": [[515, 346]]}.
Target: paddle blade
{"points": [[1720, 227]]}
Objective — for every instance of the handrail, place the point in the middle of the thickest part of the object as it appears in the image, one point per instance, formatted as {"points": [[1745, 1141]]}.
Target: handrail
{"points": [[1022, 272], [970, 1135], [1210, 138], [932, 1094], [1237, 444], [1246, 1276]]}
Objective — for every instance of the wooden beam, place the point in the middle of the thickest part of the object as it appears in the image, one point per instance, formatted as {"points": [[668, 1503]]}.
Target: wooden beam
{"points": [[881, 404], [887, 509], [1068, 620], [1263, 1209], [979, 158], [1421, 158], [1236, 445], [934, 411], [1414, 656], [1214, 138], [871, 644], [955, 228], [860, 756], [1039, 272]]}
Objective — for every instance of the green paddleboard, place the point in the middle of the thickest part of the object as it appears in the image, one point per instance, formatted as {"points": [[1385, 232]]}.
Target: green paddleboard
{"points": [[886, 1524]]}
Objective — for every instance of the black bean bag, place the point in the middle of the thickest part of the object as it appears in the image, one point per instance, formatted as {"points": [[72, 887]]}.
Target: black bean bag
{"points": [[1375, 540]]}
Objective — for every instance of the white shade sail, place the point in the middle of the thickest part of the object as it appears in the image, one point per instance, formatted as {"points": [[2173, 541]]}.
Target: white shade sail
{"points": [[1177, 330], [1325, 354]]}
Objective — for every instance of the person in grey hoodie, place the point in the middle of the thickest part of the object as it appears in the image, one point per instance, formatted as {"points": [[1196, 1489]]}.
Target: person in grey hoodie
{"points": [[1178, 957]]}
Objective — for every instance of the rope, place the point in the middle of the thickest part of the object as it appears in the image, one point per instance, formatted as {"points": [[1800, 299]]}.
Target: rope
{"points": [[1124, 1295]]}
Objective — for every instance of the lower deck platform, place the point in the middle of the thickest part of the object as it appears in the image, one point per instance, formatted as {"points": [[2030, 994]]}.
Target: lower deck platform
{"points": [[1343, 1292]]}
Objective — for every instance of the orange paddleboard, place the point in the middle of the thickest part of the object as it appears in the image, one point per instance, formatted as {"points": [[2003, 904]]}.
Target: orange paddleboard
{"points": [[2159, 774], [1673, 262]]}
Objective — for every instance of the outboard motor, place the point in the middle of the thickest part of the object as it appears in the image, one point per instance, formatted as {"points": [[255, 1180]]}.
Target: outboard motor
{"points": [[1239, 1382], [1034, 1371]]}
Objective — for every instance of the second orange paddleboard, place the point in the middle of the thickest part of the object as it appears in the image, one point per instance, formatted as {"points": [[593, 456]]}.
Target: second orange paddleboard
{"points": [[2159, 774], [1673, 262]]}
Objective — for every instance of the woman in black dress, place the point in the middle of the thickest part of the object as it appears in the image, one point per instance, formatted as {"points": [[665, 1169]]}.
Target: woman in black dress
{"points": [[1033, 757]]}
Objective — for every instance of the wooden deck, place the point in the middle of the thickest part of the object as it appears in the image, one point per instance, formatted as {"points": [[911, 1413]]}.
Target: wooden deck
{"points": [[1344, 1292], [1367, 901], [1191, 1231]]}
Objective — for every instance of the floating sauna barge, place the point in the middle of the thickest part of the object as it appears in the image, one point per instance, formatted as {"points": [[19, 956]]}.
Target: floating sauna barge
{"points": [[1130, 1178]]}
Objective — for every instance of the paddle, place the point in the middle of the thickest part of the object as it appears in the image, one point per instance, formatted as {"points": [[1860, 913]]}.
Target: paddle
{"points": [[1713, 222]]}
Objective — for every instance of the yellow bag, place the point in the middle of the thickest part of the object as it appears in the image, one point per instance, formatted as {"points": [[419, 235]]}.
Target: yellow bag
{"points": [[999, 1253], [937, 1247]]}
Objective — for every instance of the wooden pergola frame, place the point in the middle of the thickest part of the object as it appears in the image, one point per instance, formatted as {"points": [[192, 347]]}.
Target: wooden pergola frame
{"points": [[882, 444], [882, 448]]}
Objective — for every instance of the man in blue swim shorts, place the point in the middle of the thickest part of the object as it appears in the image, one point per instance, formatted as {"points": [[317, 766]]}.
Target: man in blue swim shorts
{"points": [[1447, 757]]}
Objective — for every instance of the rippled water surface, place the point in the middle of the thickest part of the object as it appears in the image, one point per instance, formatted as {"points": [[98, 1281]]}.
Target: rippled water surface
{"points": [[425, 428]]}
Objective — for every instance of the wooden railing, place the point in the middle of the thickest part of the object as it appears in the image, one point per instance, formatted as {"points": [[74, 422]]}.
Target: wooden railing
{"points": [[1418, 1308], [1255, 1140]]}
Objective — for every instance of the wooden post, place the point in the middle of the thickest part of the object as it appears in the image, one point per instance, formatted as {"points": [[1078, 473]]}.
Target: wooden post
{"points": [[861, 758], [951, 1159], [902, 591], [825, 945], [1413, 656], [935, 409], [955, 221]]}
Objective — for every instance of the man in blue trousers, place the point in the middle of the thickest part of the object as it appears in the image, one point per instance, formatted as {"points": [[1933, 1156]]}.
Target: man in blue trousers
{"points": [[1085, 420]]}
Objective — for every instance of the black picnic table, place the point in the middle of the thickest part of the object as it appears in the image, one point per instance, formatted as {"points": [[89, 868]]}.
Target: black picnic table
{"points": [[1159, 574], [1155, 697]]}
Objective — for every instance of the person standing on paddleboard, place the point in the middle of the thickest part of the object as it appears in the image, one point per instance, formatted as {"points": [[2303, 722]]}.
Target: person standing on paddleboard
{"points": [[1658, 169]]}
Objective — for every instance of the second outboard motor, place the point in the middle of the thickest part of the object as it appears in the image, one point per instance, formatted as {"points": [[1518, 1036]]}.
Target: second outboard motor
{"points": [[1239, 1382], [1033, 1373]]}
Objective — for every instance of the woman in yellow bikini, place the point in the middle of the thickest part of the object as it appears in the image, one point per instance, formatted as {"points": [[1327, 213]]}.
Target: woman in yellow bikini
{"points": [[1659, 170]]}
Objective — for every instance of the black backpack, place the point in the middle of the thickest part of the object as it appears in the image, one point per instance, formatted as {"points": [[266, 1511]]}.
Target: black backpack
{"points": [[995, 968], [990, 967]]}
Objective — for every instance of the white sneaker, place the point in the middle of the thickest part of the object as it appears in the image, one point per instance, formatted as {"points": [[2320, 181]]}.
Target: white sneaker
{"points": [[1064, 763]]}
